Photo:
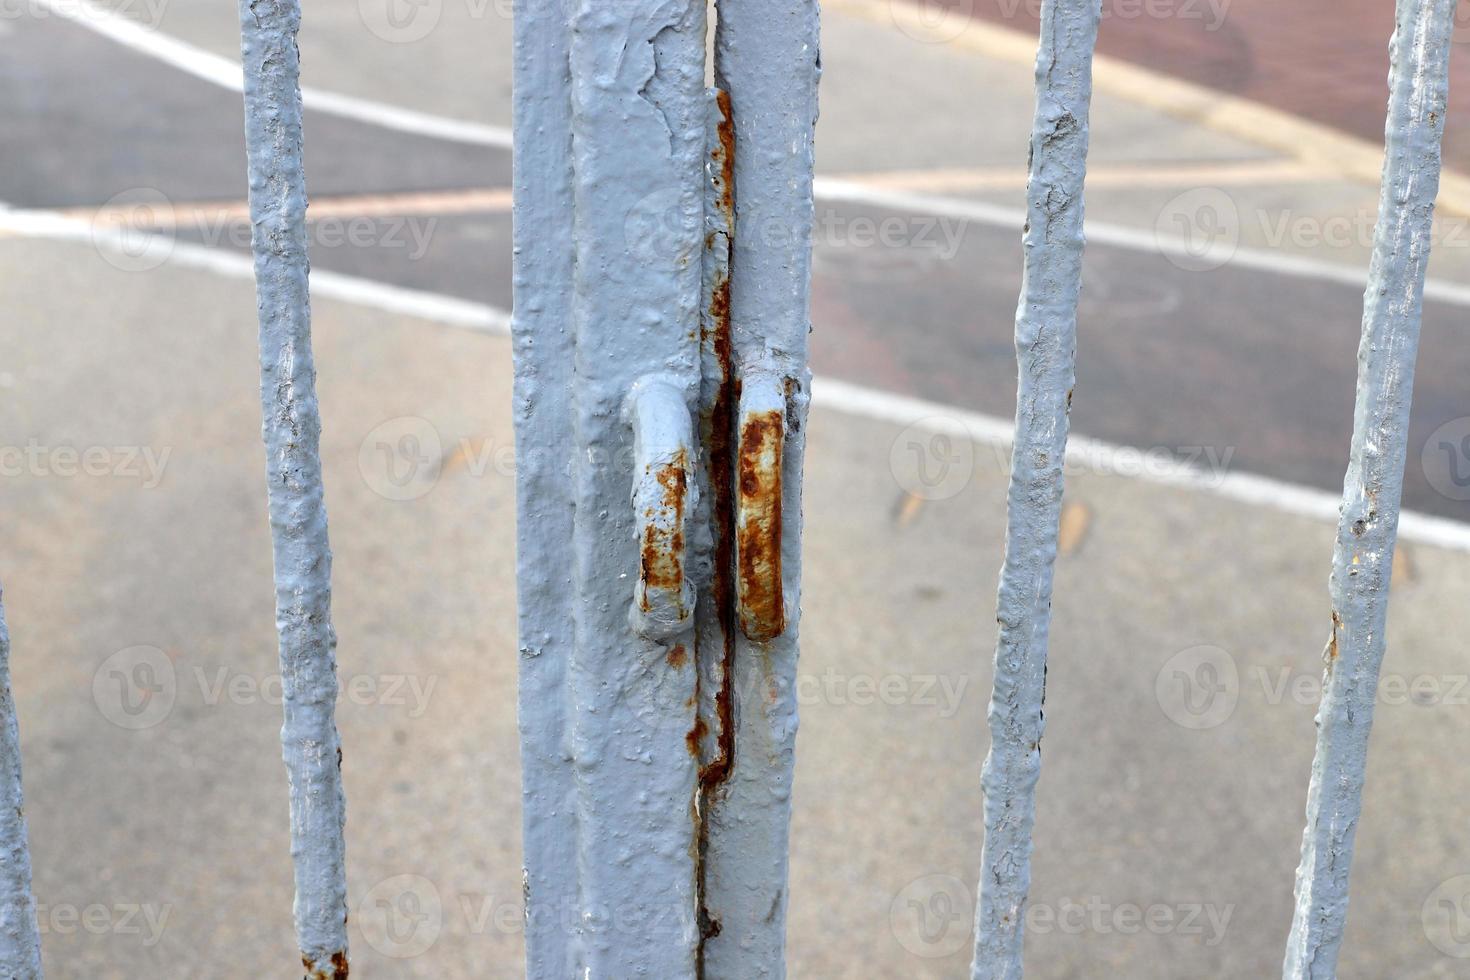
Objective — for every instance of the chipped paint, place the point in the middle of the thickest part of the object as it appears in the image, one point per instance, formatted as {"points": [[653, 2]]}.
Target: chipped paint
{"points": [[663, 497], [1364, 557], [298, 516], [1046, 342]]}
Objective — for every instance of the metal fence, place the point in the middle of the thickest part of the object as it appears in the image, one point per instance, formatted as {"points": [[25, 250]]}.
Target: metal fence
{"points": [[662, 241]]}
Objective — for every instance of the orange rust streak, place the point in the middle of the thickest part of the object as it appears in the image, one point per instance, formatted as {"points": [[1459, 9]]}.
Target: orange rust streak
{"points": [[763, 614], [335, 970]]}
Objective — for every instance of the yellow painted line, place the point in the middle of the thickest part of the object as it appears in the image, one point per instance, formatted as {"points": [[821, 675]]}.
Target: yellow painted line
{"points": [[497, 200], [1329, 152], [212, 214]]}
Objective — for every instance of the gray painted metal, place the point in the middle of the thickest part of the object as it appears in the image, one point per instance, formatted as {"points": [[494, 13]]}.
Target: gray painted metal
{"points": [[650, 851], [1046, 342], [20, 940], [610, 298], [292, 430], [766, 58], [1362, 564]]}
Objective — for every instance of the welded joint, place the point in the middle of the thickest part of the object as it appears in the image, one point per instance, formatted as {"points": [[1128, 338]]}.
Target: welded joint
{"points": [[761, 434], [664, 494]]}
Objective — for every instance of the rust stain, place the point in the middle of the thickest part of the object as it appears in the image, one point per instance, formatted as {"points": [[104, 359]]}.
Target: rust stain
{"points": [[661, 562], [678, 657], [724, 154], [1332, 644], [336, 969], [762, 611], [696, 736]]}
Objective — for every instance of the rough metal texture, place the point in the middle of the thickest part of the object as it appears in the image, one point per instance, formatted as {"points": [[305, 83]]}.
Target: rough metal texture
{"points": [[664, 493], [543, 344], [1046, 340], [1363, 561], [20, 942], [608, 291], [767, 60], [292, 430]]}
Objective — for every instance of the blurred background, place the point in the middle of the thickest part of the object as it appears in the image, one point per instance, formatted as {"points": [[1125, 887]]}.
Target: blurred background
{"points": [[1231, 201]]}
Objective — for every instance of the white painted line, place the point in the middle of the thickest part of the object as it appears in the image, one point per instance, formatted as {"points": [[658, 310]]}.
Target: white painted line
{"points": [[1121, 236], [1094, 455], [224, 72], [227, 73], [435, 307]]}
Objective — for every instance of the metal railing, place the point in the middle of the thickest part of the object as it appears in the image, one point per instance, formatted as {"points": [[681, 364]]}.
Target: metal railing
{"points": [[662, 277]]}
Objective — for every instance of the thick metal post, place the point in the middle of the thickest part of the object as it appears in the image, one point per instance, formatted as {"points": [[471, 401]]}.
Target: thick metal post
{"points": [[766, 60], [1046, 343], [1362, 565], [608, 379], [292, 431], [20, 940]]}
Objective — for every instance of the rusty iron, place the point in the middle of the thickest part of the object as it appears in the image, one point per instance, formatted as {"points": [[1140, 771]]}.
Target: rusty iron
{"points": [[762, 439]]}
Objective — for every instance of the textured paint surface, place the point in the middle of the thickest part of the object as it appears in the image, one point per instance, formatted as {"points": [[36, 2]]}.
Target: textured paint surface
{"points": [[1362, 564], [543, 340], [292, 431], [608, 293], [766, 58], [20, 941], [1046, 342], [664, 493]]}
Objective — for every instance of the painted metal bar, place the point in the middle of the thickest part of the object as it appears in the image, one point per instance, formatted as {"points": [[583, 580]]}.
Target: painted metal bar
{"points": [[766, 59], [543, 346], [20, 939], [1046, 343], [610, 128], [1362, 565], [292, 430]]}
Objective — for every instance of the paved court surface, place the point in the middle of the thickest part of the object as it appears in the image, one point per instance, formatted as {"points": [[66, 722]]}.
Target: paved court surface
{"points": [[1188, 626]]}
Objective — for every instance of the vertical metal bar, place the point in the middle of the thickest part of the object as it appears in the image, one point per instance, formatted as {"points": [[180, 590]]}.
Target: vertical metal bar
{"points": [[20, 940], [292, 431], [610, 129], [638, 125], [767, 61], [1362, 564], [543, 342], [1046, 343]]}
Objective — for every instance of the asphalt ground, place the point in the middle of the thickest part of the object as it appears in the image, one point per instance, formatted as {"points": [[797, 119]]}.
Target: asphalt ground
{"points": [[1143, 805]]}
